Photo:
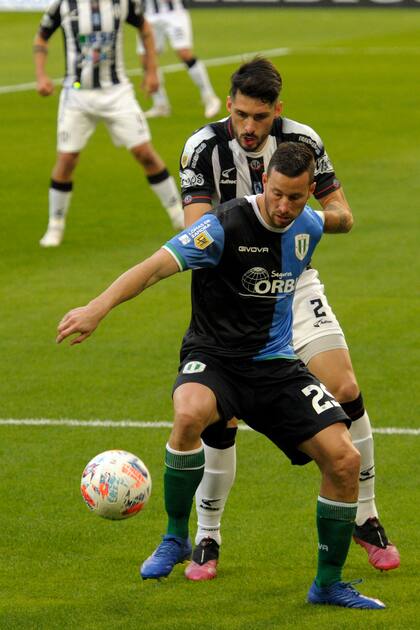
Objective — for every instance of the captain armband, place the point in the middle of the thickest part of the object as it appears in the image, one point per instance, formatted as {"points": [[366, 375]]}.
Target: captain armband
{"points": [[40, 48]]}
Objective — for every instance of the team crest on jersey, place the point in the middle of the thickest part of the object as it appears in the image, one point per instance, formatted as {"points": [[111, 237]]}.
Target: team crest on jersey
{"points": [[301, 245], [193, 366], [203, 240], [184, 159]]}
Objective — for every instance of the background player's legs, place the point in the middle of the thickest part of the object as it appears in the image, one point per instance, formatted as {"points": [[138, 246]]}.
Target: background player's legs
{"points": [[161, 182], [199, 75], [60, 191], [334, 369]]}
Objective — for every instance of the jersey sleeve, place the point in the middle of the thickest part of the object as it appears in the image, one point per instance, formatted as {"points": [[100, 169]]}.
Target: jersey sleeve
{"points": [[198, 246], [196, 169], [325, 178], [51, 20], [135, 13]]}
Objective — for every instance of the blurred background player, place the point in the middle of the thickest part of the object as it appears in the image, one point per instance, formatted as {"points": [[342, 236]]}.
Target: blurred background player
{"points": [[231, 156], [96, 88], [171, 21]]}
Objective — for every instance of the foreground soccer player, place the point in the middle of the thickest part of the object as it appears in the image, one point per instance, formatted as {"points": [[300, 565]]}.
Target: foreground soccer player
{"points": [[237, 358], [224, 160], [96, 88]]}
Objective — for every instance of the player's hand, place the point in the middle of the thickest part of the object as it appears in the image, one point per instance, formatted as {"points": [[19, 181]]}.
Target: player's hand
{"points": [[44, 86], [150, 82], [83, 320]]}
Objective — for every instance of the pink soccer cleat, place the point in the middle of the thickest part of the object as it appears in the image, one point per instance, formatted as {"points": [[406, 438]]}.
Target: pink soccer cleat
{"points": [[382, 554], [203, 565]]}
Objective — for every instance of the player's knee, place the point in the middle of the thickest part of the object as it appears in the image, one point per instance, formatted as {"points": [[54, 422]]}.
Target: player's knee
{"points": [[344, 467], [189, 423], [346, 389]]}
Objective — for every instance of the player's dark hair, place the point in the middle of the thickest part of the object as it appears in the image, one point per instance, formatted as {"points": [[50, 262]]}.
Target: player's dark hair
{"points": [[292, 159], [257, 79]]}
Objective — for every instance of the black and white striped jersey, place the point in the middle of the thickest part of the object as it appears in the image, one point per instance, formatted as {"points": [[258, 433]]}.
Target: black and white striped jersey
{"points": [[153, 7], [214, 168], [93, 38]]}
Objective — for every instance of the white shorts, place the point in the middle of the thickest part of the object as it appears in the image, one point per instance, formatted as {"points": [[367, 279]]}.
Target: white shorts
{"points": [[80, 110], [315, 327], [174, 26]]}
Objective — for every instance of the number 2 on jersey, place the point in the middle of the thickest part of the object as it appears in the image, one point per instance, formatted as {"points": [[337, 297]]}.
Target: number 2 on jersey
{"points": [[320, 392]]}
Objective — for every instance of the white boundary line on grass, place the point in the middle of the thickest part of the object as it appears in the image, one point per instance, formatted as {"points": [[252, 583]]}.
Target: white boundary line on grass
{"points": [[137, 424], [222, 61]]}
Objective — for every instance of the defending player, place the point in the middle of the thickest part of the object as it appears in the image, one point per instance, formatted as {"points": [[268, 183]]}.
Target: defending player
{"points": [[96, 88], [224, 160], [237, 358], [171, 21]]}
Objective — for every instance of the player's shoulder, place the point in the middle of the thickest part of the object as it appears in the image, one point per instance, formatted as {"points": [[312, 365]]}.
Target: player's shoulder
{"points": [[203, 140], [233, 214], [310, 219], [294, 131]]}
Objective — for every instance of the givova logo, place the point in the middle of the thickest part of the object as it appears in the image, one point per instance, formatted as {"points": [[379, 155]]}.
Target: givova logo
{"points": [[258, 283]]}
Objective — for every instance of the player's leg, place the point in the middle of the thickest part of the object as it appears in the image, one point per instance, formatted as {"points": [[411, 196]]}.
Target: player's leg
{"points": [[74, 128], [194, 407], [308, 409], [210, 498], [180, 36], [161, 182], [128, 126], [161, 106], [339, 463], [200, 398], [320, 343]]}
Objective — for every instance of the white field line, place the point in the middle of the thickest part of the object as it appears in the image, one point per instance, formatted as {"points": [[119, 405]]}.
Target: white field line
{"points": [[136, 424], [273, 52]]}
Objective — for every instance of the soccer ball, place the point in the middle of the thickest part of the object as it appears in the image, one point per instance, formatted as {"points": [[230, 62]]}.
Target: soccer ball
{"points": [[116, 485]]}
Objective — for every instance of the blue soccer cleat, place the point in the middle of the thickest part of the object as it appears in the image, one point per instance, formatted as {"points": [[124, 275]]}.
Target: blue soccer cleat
{"points": [[171, 551], [342, 594]]}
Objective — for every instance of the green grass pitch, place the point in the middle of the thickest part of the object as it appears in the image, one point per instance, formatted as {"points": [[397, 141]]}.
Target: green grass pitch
{"points": [[354, 76]]}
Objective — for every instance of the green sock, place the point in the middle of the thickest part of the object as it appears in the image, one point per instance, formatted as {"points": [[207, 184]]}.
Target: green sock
{"points": [[183, 473], [335, 523]]}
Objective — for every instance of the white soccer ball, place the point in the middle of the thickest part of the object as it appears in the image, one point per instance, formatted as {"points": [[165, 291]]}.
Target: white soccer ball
{"points": [[116, 485]]}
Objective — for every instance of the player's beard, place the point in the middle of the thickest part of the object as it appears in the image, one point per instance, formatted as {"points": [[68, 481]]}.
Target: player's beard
{"points": [[250, 143]]}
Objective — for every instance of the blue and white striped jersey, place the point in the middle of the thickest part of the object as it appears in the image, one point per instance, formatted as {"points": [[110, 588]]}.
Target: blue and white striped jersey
{"points": [[244, 277], [93, 38]]}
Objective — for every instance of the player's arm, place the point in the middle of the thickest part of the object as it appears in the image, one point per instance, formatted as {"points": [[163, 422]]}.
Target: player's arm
{"points": [[338, 217], [150, 80], [44, 85], [84, 320], [194, 211], [197, 179]]}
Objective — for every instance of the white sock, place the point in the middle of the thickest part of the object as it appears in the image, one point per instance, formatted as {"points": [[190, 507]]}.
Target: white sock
{"points": [[164, 187], [160, 97], [213, 491], [361, 433], [199, 75], [59, 202]]}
